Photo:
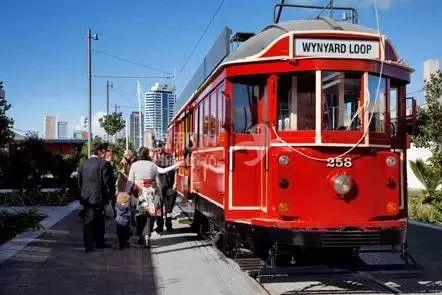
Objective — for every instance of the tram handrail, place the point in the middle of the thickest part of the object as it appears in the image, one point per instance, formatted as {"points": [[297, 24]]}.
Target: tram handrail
{"points": [[276, 17]]}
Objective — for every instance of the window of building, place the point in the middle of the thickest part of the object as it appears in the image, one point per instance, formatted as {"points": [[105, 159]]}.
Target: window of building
{"points": [[245, 105], [377, 105], [341, 101], [296, 102]]}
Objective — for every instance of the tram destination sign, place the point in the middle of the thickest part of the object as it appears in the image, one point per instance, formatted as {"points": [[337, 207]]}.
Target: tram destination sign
{"points": [[337, 48]]}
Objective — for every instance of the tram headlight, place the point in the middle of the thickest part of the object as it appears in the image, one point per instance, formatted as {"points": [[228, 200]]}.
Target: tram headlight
{"points": [[343, 184], [391, 161], [283, 160]]}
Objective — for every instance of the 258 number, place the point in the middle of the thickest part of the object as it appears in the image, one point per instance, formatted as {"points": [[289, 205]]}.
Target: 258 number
{"points": [[338, 162]]}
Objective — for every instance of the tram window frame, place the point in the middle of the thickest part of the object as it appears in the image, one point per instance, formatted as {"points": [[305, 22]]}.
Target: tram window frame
{"points": [[293, 96], [349, 116], [372, 85], [221, 113], [259, 87], [195, 130], [206, 121], [394, 108], [200, 125], [213, 118]]}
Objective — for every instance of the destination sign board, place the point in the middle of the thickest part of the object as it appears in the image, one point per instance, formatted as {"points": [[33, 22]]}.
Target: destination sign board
{"points": [[337, 48]]}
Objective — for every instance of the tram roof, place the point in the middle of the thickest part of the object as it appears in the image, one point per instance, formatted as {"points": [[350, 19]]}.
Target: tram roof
{"points": [[260, 41]]}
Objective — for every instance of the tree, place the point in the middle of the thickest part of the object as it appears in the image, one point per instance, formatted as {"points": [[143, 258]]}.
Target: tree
{"points": [[112, 123], [428, 133], [428, 176], [6, 123]]}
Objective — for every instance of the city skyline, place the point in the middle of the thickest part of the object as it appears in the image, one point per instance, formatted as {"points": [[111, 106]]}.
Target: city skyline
{"points": [[67, 24], [159, 104]]}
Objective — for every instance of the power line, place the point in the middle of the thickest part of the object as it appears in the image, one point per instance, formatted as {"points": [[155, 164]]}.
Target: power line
{"points": [[125, 107], [416, 91], [201, 37], [131, 62], [123, 95], [325, 6], [132, 77]]}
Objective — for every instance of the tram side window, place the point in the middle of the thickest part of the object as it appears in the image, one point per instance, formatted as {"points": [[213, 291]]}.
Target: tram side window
{"points": [[245, 104], [206, 122], [394, 98], [341, 103], [296, 102], [194, 135], [377, 105], [221, 114], [201, 118], [213, 133]]}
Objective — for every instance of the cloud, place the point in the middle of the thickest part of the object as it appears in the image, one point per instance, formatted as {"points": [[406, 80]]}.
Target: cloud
{"points": [[96, 129]]}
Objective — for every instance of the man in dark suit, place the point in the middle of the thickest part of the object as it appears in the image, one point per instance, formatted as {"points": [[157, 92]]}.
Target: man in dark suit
{"points": [[95, 186]]}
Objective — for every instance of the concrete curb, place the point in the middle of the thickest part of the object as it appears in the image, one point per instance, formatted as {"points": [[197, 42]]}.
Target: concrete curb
{"points": [[427, 225], [11, 247]]}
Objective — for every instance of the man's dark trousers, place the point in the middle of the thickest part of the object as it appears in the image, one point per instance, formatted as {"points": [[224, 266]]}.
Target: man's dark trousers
{"points": [[95, 185], [167, 204], [93, 227]]}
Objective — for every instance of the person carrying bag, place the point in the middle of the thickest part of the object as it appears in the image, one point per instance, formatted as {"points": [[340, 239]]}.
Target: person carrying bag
{"points": [[144, 183]]}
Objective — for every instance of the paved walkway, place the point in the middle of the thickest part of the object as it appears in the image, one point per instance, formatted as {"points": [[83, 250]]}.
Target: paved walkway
{"points": [[178, 263]]}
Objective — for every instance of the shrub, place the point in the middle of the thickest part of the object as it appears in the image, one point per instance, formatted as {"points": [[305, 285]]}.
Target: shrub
{"points": [[421, 211], [12, 224]]}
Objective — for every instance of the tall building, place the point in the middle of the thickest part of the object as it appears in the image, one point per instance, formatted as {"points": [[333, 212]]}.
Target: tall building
{"points": [[78, 134], [431, 66], [62, 130], [134, 129], [50, 126], [2, 92], [158, 108]]}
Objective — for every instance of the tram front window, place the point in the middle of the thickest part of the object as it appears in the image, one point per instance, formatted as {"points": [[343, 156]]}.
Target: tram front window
{"points": [[246, 95], [296, 102], [377, 105], [341, 103]]}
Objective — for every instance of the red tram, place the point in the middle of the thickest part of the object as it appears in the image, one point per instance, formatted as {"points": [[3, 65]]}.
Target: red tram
{"points": [[298, 137]]}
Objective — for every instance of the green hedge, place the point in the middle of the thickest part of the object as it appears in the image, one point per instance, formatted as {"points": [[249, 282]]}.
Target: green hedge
{"points": [[35, 198], [420, 210], [11, 224]]}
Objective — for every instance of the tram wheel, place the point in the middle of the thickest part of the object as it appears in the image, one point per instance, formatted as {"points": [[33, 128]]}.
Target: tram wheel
{"points": [[199, 224]]}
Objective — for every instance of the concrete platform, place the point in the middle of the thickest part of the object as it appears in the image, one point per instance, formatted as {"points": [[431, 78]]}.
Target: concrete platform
{"points": [[178, 263]]}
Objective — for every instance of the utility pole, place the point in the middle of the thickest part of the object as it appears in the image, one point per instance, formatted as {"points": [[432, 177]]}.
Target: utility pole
{"points": [[107, 97], [139, 112], [90, 37], [127, 133], [107, 103], [331, 9]]}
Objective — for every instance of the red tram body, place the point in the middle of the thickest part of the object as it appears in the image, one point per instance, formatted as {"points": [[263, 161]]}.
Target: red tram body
{"points": [[300, 134]]}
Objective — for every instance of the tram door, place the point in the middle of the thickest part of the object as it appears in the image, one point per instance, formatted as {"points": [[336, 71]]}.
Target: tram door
{"points": [[247, 175]]}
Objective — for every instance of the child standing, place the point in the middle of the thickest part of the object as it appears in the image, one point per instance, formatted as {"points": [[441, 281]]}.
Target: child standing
{"points": [[123, 216]]}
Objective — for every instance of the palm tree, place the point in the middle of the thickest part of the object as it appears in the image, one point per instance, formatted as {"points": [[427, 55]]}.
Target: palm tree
{"points": [[428, 176]]}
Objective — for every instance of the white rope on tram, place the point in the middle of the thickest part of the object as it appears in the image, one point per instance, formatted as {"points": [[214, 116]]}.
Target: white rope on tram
{"points": [[367, 128]]}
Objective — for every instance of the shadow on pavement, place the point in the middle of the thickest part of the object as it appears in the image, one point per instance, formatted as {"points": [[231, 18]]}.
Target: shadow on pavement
{"points": [[56, 263]]}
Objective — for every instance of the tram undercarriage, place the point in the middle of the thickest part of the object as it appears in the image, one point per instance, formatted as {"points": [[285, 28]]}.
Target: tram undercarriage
{"points": [[285, 247]]}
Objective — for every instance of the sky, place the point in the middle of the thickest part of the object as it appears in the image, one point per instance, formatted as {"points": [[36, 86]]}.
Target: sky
{"points": [[43, 59]]}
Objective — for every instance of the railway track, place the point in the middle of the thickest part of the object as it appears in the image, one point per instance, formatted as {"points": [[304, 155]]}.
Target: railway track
{"points": [[355, 278]]}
